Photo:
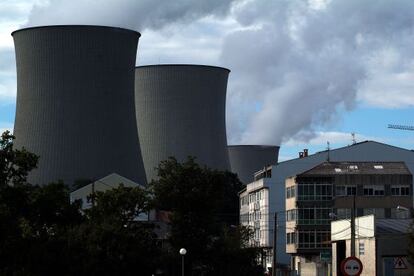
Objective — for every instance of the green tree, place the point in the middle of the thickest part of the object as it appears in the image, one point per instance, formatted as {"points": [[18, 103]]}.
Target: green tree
{"points": [[14, 164], [113, 241], [204, 208]]}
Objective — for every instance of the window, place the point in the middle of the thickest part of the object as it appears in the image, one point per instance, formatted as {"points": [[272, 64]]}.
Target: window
{"points": [[400, 190], [314, 216], [373, 190], [290, 192], [378, 167], [314, 192], [345, 190], [291, 215], [290, 238], [378, 212], [353, 167], [338, 170], [313, 239], [361, 248]]}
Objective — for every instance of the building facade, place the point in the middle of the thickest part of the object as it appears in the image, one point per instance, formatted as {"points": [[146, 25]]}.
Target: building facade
{"points": [[380, 244], [275, 176], [330, 190]]}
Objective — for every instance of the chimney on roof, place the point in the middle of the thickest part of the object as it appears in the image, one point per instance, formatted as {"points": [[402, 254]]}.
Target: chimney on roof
{"points": [[300, 154], [305, 152]]}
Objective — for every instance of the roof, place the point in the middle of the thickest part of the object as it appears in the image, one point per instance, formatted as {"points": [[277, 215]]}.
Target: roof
{"points": [[393, 226], [358, 168], [333, 151]]}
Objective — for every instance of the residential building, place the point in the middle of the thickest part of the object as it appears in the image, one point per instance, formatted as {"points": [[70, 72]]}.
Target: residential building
{"points": [[331, 189], [273, 179], [380, 244]]}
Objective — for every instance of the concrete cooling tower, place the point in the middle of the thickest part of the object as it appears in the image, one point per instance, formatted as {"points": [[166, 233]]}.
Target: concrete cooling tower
{"points": [[245, 160], [181, 113], [75, 102]]}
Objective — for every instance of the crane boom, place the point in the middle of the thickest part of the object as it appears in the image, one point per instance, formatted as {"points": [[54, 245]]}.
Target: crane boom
{"points": [[401, 127]]}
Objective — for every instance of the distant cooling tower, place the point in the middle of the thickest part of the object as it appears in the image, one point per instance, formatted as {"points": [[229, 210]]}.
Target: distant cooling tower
{"points": [[245, 160], [181, 113], [75, 102]]}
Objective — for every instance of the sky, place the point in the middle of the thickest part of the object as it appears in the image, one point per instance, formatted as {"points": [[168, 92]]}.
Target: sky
{"points": [[303, 72]]}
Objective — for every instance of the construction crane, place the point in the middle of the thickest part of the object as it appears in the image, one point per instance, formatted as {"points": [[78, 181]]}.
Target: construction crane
{"points": [[401, 127]]}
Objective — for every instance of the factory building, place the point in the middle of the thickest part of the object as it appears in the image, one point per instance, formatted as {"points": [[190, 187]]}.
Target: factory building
{"points": [[245, 160], [75, 102], [272, 179], [180, 112]]}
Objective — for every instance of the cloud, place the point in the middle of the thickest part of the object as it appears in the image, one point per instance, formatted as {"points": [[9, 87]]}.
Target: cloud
{"points": [[137, 15], [295, 64], [303, 61]]}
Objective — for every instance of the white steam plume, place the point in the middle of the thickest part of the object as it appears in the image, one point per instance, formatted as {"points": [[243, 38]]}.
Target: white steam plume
{"points": [[299, 62]]}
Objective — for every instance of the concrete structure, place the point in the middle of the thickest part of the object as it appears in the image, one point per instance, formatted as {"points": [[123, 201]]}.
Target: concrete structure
{"points": [[381, 245], [75, 102], [331, 188], [273, 178], [245, 160], [181, 112]]}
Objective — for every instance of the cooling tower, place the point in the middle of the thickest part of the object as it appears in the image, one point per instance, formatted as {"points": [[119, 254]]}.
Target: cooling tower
{"points": [[245, 160], [75, 102], [181, 113]]}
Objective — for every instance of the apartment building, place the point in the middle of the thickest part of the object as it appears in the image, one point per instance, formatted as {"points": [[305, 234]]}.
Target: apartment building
{"points": [[329, 191]]}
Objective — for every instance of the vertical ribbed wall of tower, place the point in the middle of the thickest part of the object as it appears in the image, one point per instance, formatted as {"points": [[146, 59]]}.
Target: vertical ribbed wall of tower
{"points": [[75, 102], [245, 160], [181, 113]]}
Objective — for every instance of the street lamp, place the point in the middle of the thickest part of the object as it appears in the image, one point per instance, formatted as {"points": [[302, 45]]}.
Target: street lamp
{"points": [[182, 251]]}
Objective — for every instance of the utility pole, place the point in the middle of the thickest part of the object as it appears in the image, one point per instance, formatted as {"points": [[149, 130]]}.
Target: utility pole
{"points": [[353, 228], [274, 245], [93, 194]]}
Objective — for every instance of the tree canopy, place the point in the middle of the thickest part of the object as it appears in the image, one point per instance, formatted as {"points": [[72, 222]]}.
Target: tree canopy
{"points": [[204, 207], [43, 233]]}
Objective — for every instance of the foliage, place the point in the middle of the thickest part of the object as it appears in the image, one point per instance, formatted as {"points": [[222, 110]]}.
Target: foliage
{"points": [[43, 233], [14, 164], [204, 214]]}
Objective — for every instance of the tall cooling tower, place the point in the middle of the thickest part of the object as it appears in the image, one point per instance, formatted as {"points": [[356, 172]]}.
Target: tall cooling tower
{"points": [[245, 160], [75, 102], [181, 113]]}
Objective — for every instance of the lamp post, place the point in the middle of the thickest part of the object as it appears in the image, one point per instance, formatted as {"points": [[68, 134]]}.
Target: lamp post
{"points": [[182, 251]]}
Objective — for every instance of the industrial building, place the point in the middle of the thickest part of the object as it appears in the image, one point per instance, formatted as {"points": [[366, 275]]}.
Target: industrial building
{"points": [[381, 245], [180, 112], [272, 179], [331, 189], [75, 102], [245, 160]]}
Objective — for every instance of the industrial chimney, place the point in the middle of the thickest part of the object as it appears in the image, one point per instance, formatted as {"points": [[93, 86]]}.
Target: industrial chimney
{"points": [[245, 160], [181, 113], [75, 102]]}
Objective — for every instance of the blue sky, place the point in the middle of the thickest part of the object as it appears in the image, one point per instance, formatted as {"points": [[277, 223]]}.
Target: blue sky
{"points": [[304, 72]]}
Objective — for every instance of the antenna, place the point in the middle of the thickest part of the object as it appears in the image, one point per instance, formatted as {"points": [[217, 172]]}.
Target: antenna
{"points": [[353, 138], [402, 127], [328, 149]]}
